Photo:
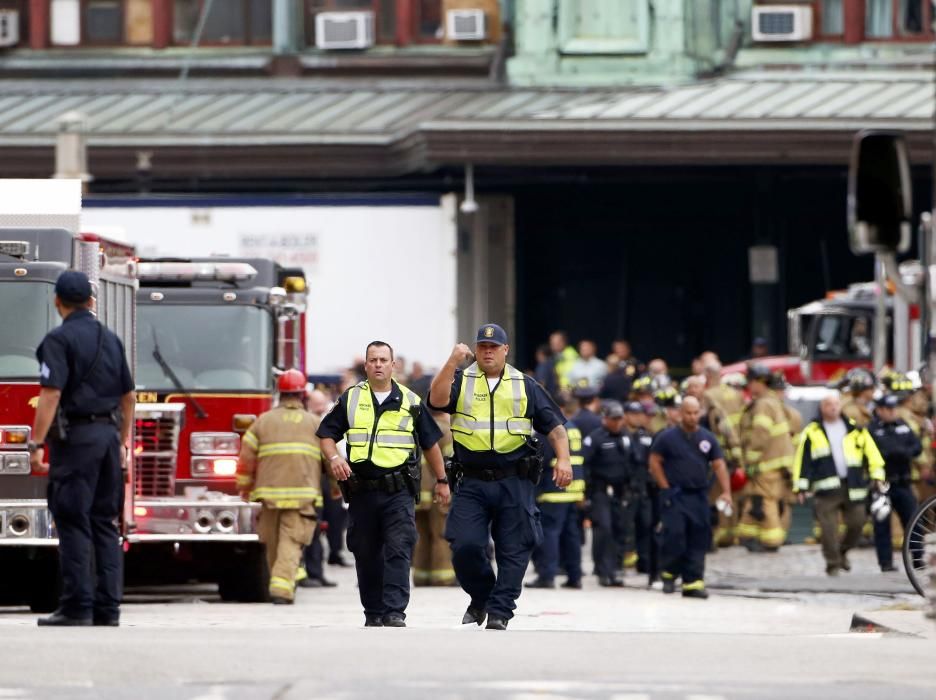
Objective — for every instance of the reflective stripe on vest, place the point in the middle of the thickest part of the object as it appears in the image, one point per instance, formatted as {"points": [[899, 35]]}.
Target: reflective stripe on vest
{"points": [[387, 442], [482, 423]]}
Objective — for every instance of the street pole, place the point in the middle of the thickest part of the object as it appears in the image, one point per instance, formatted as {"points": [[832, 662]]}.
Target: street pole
{"points": [[880, 314]]}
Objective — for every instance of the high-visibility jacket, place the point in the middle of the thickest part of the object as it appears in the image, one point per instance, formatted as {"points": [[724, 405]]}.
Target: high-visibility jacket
{"points": [[725, 408], [285, 459], [484, 422], [575, 491], [385, 438], [765, 436], [562, 365], [814, 468]]}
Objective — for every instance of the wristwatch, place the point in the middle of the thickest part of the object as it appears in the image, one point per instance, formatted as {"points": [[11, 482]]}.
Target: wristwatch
{"points": [[32, 446], [443, 480]]}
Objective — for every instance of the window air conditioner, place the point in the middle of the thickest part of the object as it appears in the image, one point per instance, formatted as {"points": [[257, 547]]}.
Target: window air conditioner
{"points": [[344, 30], [9, 27], [781, 23], [465, 25]]}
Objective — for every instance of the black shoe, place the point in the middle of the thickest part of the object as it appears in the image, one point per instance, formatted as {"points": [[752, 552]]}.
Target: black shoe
{"points": [[669, 585], [496, 623], [753, 546], [832, 571], [316, 583], [337, 560], [610, 582], [57, 619], [846, 565], [575, 585], [540, 583], [277, 600], [888, 568], [474, 616], [394, 620], [106, 622], [700, 593], [373, 621]]}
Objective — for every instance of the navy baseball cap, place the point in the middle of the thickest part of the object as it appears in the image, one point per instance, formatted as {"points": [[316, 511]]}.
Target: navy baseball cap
{"points": [[890, 401], [634, 407], [73, 286], [491, 333], [585, 393]]}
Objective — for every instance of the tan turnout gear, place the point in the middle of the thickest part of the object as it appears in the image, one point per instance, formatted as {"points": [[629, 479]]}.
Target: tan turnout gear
{"points": [[768, 450], [857, 412], [723, 406], [432, 558], [281, 467]]}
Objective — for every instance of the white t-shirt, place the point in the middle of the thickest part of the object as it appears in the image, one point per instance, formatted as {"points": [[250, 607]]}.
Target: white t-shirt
{"points": [[836, 433], [492, 382], [381, 396]]}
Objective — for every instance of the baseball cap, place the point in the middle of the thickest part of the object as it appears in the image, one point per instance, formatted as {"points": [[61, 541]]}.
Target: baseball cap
{"points": [[73, 286], [612, 409], [890, 401], [634, 407], [585, 393], [491, 333]]}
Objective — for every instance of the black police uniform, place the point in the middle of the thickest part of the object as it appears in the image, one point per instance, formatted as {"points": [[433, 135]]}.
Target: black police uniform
{"points": [[898, 445], [562, 530], [685, 522], [587, 421], [641, 440], [608, 473], [502, 508], [85, 492], [381, 522]]}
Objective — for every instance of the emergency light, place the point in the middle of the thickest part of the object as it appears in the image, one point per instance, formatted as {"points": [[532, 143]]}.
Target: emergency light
{"points": [[195, 271], [15, 249]]}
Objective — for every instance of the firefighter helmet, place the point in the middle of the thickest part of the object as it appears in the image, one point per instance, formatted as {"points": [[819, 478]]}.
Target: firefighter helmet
{"points": [[738, 480], [859, 379], [667, 397], [758, 372], [292, 381]]}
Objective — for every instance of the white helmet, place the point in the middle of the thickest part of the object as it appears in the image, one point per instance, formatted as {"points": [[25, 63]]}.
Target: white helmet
{"points": [[880, 505]]}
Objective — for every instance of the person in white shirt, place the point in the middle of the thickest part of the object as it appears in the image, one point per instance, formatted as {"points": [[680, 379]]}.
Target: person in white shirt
{"points": [[589, 369]]}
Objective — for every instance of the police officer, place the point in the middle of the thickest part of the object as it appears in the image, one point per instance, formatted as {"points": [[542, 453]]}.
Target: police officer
{"points": [[586, 418], [635, 420], [280, 466], [898, 445], [85, 382], [679, 463], [495, 410], [384, 425]]}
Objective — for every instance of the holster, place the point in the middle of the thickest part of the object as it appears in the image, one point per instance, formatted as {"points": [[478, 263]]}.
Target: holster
{"points": [[412, 475], [60, 425], [345, 489], [454, 473], [531, 468]]}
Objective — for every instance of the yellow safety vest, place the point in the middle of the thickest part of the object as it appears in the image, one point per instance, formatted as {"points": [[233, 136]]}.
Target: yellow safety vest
{"points": [[388, 442], [484, 421], [575, 491]]}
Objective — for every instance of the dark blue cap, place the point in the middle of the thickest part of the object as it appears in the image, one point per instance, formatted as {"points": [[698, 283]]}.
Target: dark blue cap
{"points": [[890, 401], [634, 407], [491, 333], [73, 286], [585, 393]]}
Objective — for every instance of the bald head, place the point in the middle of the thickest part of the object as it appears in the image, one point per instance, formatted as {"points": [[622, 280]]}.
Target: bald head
{"points": [[831, 407], [689, 413], [318, 402]]}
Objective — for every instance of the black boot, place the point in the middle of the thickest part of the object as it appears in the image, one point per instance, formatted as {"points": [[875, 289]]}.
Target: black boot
{"points": [[496, 623], [373, 621], [540, 583], [474, 616], [58, 619], [394, 620]]}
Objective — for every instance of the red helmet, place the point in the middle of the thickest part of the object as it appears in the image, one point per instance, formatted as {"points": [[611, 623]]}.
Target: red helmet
{"points": [[291, 382], [738, 479]]}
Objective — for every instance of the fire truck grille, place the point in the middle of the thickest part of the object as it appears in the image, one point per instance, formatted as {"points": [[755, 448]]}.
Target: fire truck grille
{"points": [[156, 454]]}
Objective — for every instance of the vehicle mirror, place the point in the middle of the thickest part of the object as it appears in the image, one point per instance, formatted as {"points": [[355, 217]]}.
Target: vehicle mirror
{"points": [[879, 194]]}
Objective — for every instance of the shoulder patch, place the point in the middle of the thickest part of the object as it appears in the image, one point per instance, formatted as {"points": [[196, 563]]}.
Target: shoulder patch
{"points": [[44, 371]]}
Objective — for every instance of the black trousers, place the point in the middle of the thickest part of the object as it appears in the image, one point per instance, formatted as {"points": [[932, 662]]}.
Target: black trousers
{"points": [[85, 498], [609, 517], [685, 534], [904, 504], [382, 535], [334, 514]]}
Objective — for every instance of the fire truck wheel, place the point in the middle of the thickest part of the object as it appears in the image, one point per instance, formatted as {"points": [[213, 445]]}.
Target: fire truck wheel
{"points": [[45, 586], [247, 579]]}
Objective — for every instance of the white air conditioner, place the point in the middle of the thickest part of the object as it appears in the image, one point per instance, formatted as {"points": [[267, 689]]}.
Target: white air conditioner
{"points": [[781, 23], [9, 27], [344, 30], [465, 25]]}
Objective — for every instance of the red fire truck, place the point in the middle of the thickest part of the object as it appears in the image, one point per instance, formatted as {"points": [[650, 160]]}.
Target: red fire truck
{"points": [[212, 335], [30, 261]]}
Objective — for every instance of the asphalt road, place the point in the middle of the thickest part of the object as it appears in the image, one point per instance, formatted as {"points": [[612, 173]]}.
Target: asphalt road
{"points": [[630, 644]]}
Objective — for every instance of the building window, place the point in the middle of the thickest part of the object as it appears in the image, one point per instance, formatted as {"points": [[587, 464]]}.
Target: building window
{"points": [[101, 22], [429, 20], [832, 18], [890, 19], [229, 22]]}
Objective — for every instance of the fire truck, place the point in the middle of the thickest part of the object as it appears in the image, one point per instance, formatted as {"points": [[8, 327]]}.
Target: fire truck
{"points": [[833, 335], [39, 221], [212, 335]]}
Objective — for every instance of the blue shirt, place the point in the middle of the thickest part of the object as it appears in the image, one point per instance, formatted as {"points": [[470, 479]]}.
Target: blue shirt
{"points": [[687, 456]]}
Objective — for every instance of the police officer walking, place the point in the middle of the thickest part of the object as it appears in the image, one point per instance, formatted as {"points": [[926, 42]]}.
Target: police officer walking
{"points": [[495, 410], [898, 445], [280, 466], [85, 383], [608, 474], [384, 424], [680, 459]]}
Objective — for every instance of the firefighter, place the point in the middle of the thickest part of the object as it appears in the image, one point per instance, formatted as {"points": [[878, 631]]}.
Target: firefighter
{"points": [[680, 458], [834, 461], [860, 384], [915, 410], [668, 401], [722, 407], [384, 425], [778, 385], [85, 382], [768, 450], [495, 411], [432, 558], [898, 445], [640, 439], [280, 466]]}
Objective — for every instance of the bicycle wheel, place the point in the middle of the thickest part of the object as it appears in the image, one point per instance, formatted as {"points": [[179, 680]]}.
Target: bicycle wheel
{"points": [[922, 526]]}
